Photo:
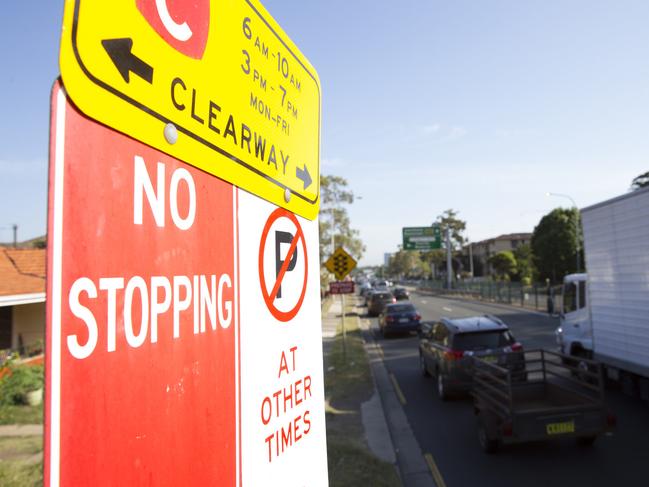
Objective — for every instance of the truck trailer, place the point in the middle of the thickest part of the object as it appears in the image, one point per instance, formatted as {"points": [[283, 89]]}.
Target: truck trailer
{"points": [[605, 312]]}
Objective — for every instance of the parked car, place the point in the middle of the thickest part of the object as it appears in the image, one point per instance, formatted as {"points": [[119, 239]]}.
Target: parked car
{"points": [[378, 300], [368, 295], [447, 348], [400, 293], [382, 285], [399, 318]]}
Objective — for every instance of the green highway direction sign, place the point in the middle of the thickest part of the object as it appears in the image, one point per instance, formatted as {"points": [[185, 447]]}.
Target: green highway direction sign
{"points": [[422, 238]]}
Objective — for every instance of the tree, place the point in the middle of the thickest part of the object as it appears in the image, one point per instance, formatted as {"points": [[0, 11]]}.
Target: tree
{"points": [[449, 219], [436, 257], [555, 242], [405, 262], [334, 221], [524, 264], [640, 181], [503, 264]]}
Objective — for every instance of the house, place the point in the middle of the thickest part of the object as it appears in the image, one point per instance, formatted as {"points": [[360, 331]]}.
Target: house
{"points": [[484, 249], [22, 299]]}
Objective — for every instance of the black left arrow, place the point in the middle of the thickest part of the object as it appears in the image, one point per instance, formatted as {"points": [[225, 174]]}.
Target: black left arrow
{"points": [[125, 61]]}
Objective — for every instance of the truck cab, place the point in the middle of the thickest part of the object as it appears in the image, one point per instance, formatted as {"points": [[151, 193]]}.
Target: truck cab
{"points": [[575, 332]]}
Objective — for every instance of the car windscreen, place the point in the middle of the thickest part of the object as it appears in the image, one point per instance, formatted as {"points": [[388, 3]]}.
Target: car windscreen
{"points": [[482, 340], [401, 308]]}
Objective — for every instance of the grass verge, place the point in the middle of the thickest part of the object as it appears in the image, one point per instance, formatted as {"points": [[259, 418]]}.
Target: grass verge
{"points": [[21, 414], [348, 383], [21, 474], [21, 461]]}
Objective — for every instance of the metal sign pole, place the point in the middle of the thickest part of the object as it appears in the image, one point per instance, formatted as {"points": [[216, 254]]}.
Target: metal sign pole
{"points": [[342, 300]]}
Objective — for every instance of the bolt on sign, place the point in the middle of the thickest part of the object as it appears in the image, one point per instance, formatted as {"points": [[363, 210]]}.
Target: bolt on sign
{"points": [[216, 84], [340, 263], [170, 360], [422, 238]]}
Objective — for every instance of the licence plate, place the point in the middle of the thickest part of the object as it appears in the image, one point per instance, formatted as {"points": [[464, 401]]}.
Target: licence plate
{"points": [[560, 428], [403, 320]]}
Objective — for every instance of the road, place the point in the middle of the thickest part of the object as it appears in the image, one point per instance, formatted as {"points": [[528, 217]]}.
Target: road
{"points": [[447, 430]]}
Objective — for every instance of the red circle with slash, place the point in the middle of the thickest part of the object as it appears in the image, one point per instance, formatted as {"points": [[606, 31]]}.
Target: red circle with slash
{"points": [[270, 297]]}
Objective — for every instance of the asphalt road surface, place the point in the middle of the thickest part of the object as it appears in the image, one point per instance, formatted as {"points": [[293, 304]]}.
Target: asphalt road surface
{"points": [[446, 431]]}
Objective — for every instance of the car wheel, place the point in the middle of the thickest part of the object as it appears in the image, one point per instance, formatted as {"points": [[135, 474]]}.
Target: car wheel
{"points": [[422, 366], [442, 391], [487, 444]]}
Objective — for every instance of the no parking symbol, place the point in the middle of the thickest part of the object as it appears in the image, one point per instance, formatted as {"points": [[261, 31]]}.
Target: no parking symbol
{"points": [[283, 264]]}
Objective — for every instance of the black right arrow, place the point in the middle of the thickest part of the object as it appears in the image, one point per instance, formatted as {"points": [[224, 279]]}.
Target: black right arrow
{"points": [[125, 61], [304, 175]]}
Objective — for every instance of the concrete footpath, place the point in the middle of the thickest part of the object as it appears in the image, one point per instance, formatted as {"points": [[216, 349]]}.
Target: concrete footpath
{"points": [[386, 426], [16, 430]]}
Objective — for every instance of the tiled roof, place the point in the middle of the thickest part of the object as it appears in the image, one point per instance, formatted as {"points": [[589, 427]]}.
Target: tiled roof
{"points": [[22, 271]]}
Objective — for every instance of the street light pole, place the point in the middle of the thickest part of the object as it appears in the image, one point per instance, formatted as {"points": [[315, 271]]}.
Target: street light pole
{"points": [[577, 225]]}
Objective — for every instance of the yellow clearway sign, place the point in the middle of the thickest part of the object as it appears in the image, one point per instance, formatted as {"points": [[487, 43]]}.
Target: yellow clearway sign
{"points": [[215, 83], [340, 263]]}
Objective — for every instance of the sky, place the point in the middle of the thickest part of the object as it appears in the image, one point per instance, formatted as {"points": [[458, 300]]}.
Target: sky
{"points": [[427, 105]]}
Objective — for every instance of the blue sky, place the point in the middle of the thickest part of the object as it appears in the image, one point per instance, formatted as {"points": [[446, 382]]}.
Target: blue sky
{"points": [[482, 107]]}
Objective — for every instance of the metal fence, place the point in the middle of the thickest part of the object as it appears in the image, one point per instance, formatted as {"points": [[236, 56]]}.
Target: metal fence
{"points": [[537, 296]]}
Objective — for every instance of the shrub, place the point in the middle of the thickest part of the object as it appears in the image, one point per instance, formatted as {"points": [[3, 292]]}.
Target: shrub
{"points": [[20, 380]]}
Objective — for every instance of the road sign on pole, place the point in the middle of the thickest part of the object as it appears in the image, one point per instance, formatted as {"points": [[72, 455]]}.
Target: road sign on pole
{"points": [[218, 85], [422, 238], [341, 287], [340, 263], [165, 353]]}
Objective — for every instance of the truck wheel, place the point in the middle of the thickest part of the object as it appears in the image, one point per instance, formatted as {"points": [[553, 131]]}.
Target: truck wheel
{"points": [[442, 391], [583, 367], [586, 440], [487, 444], [422, 365]]}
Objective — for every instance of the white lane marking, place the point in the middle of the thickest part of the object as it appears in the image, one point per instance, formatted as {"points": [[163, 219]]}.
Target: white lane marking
{"points": [[423, 301], [446, 308]]}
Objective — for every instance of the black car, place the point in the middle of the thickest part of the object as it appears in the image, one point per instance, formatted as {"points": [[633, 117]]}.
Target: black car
{"points": [[377, 301], [399, 318], [447, 348], [400, 293]]}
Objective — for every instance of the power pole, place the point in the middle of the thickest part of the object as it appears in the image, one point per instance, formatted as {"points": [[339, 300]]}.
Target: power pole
{"points": [[15, 228], [449, 265], [471, 259]]}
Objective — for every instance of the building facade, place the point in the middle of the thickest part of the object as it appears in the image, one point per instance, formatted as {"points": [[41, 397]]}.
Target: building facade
{"points": [[484, 249], [22, 299]]}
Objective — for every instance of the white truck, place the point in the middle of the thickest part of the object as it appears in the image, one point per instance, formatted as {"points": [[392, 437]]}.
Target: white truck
{"points": [[605, 313]]}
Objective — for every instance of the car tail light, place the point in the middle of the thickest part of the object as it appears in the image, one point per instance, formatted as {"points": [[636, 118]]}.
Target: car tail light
{"points": [[517, 347], [389, 318], [417, 316], [508, 428], [454, 354], [394, 300]]}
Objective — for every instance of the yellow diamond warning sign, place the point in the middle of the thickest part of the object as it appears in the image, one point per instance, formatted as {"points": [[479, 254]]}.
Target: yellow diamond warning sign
{"points": [[217, 84], [340, 263]]}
